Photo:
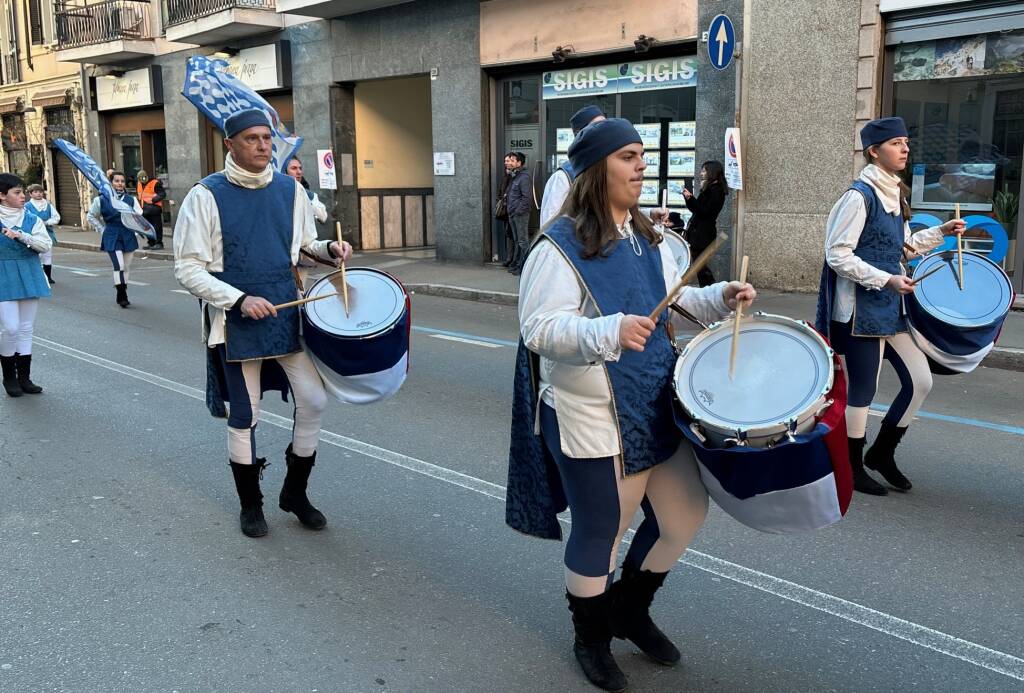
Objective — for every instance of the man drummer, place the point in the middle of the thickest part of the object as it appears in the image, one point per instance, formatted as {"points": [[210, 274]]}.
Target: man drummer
{"points": [[557, 187], [239, 235]]}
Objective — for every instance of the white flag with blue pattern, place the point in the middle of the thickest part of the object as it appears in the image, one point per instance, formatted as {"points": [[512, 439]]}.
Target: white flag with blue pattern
{"points": [[92, 172], [218, 94]]}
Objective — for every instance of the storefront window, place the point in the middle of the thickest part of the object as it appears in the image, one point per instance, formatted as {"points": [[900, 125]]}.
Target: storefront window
{"points": [[963, 102]]}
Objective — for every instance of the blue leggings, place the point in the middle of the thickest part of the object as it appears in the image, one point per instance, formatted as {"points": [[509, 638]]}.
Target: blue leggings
{"points": [[603, 502], [864, 356]]}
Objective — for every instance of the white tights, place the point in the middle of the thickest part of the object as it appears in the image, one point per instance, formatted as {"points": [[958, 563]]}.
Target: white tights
{"points": [[16, 321]]}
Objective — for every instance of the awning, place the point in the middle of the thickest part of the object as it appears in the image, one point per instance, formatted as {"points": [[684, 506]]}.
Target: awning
{"points": [[49, 99], [9, 104]]}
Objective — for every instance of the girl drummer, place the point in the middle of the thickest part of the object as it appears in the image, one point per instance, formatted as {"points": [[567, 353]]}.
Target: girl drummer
{"points": [[592, 418], [860, 302]]}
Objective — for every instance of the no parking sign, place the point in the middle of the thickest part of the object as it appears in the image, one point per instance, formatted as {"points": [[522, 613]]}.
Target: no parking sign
{"points": [[325, 167]]}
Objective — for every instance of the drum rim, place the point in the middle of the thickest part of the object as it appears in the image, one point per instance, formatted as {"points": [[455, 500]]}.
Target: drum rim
{"points": [[974, 255], [677, 237], [371, 270], [761, 429]]}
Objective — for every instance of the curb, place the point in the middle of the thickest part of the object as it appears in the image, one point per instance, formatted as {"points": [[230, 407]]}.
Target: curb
{"points": [[151, 254], [503, 298], [1005, 358]]}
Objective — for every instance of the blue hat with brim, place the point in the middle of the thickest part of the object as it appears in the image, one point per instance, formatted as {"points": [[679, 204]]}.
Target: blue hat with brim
{"points": [[243, 120], [581, 118], [598, 140], [882, 130]]}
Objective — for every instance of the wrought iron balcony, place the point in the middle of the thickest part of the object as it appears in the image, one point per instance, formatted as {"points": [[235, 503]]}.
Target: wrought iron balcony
{"points": [[180, 11], [102, 22]]}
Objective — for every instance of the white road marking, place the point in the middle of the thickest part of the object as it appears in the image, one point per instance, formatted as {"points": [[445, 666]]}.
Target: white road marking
{"points": [[84, 274], [914, 633], [466, 341], [180, 291], [135, 283]]}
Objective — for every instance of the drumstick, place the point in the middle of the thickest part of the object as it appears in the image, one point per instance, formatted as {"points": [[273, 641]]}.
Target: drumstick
{"points": [[959, 249], [344, 282], [664, 198], [926, 275], [687, 315], [301, 301], [909, 248], [736, 321], [697, 266]]}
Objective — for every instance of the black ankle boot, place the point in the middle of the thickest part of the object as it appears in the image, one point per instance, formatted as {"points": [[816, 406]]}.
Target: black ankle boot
{"points": [[591, 619], [293, 494], [122, 295], [48, 271], [881, 456], [23, 362], [10, 368], [862, 481], [631, 619], [247, 483]]}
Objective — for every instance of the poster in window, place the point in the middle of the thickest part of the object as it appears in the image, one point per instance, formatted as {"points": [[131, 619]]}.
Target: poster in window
{"points": [[941, 186], [650, 134], [682, 163], [653, 161], [563, 138], [960, 57], [682, 134], [914, 61], [560, 159], [1004, 54], [675, 191], [649, 193]]}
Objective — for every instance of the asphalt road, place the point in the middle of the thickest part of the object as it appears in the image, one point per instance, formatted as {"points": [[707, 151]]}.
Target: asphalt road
{"points": [[122, 568]]}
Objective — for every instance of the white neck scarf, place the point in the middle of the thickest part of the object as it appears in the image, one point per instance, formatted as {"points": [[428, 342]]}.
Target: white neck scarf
{"points": [[239, 176], [11, 216], [886, 185]]}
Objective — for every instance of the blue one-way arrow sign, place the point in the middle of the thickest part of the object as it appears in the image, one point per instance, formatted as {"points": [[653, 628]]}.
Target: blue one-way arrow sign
{"points": [[721, 42]]}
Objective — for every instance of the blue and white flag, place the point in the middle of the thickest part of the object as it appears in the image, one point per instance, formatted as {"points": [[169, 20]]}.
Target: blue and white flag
{"points": [[92, 172], [218, 94]]}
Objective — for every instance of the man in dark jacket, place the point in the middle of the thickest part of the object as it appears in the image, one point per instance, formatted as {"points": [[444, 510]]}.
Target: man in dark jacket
{"points": [[520, 204]]}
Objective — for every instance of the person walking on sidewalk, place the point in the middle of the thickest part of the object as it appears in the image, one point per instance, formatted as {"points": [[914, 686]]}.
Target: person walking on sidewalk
{"points": [[520, 205], [22, 284], [151, 194], [705, 208], [860, 300], [505, 239], [592, 420], [241, 231], [50, 217], [557, 187], [118, 241]]}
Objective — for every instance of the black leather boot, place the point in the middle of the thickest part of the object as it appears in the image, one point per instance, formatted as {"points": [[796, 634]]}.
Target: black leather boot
{"points": [[10, 369], [247, 483], [48, 271], [591, 619], [122, 295], [631, 619], [23, 362], [862, 481], [293, 497], [881, 456]]}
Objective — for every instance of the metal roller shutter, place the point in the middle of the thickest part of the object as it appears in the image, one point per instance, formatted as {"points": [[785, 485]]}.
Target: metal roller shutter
{"points": [[66, 190]]}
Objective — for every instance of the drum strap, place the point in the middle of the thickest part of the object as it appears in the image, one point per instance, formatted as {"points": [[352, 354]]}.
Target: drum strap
{"points": [[298, 280]]}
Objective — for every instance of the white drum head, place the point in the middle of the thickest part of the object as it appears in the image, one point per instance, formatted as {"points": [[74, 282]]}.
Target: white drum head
{"points": [[783, 371], [680, 251], [376, 302]]}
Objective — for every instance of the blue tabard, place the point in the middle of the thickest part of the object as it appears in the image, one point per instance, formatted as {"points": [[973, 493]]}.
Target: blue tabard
{"points": [[21, 275], [256, 228], [641, 383], [569, 170], [44, 214], [116, 236], [310, 195], [875, 313]]}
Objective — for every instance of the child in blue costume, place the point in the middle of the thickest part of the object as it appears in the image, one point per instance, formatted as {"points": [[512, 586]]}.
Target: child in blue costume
{"points": [[118, 240], [48, 214], [592, 422], [860, 302], [22, 284]]}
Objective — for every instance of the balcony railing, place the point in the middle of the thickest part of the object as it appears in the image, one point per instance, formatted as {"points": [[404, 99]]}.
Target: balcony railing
{"points": [[181, 11], [111, 20]]}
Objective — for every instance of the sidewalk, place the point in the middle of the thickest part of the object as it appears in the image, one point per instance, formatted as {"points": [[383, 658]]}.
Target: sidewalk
{"points": [[421, 273]]}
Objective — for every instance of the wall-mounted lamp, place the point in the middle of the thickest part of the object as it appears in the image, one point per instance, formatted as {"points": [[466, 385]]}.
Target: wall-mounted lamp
{"points": [[561, 53], [113, 74], [643, 43]]}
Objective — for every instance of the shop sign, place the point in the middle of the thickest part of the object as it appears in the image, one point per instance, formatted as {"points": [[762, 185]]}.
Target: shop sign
{"points": [[647, 75], [897, 5], [133, 89], [261, 68]]}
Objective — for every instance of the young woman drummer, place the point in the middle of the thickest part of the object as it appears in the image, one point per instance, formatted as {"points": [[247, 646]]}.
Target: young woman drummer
{"points": [[860, 302], [592, 417]]}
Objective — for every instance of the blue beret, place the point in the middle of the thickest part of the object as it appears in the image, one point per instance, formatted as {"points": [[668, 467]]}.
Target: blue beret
{"points": [[598, 140], [243, 120], [581, 118], [882, 130]]}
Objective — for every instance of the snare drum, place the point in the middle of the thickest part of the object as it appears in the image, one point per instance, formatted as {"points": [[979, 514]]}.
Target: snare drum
{"points": [[956, 329], [784, 370], [680, 250], [363, 357]]}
